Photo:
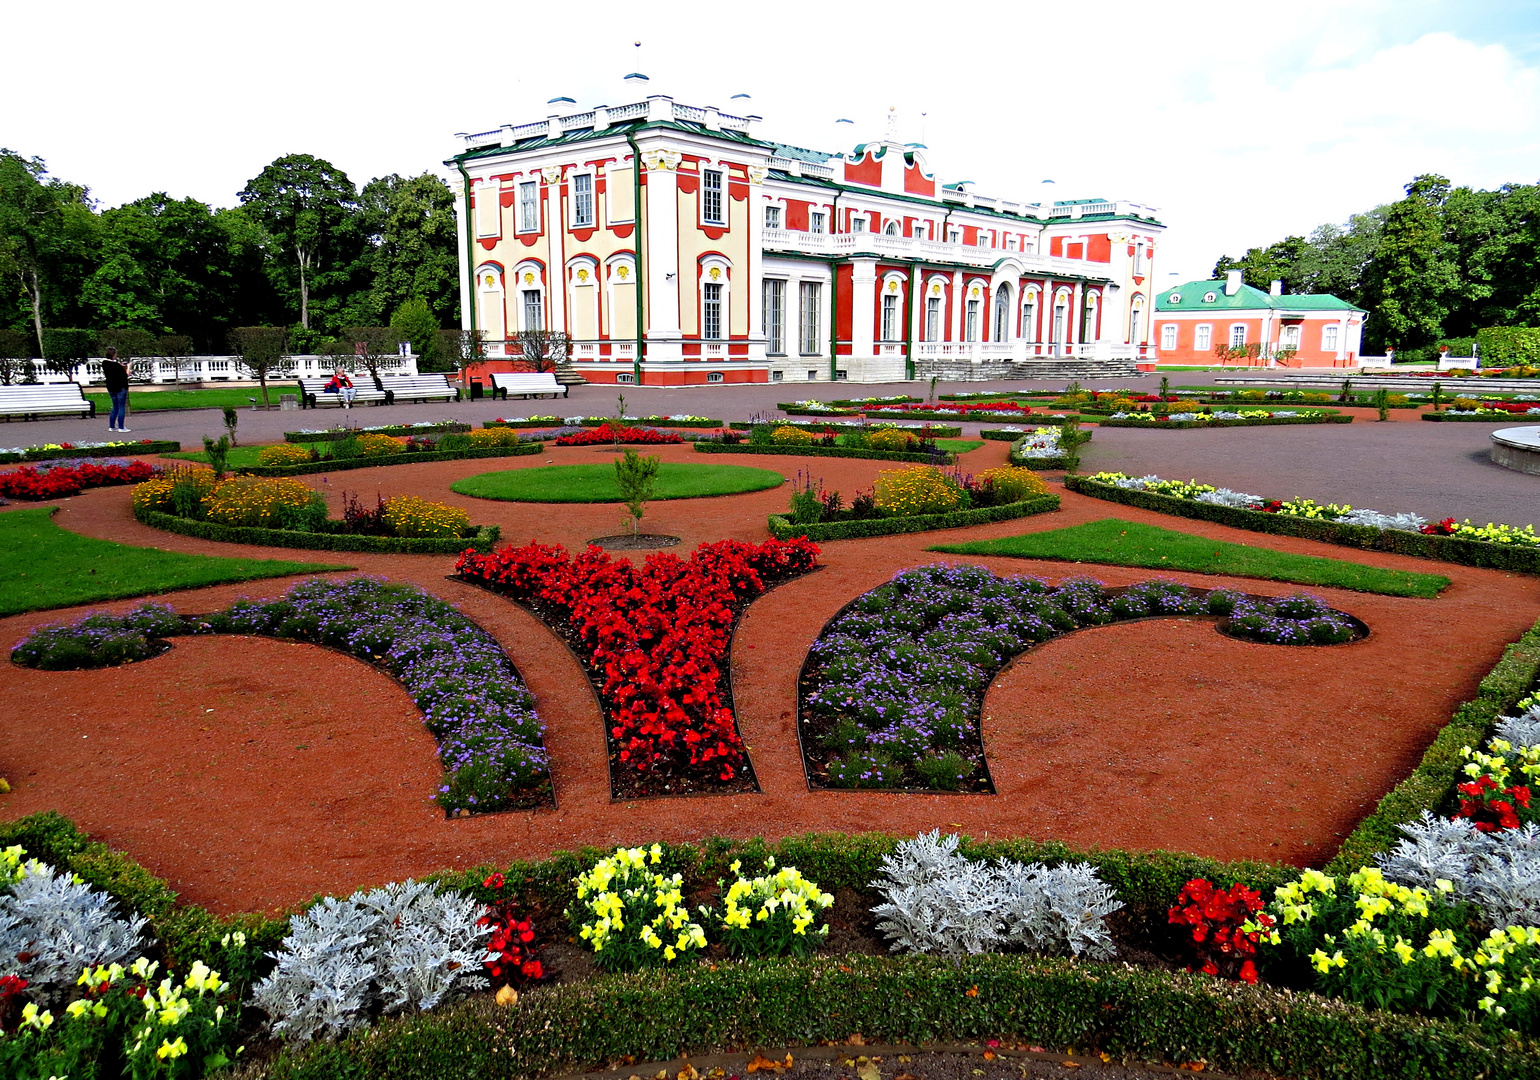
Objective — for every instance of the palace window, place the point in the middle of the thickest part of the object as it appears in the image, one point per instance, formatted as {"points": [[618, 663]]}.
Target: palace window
{"points": [[1060, 310], [892, 229], [1029, 318], [711, 196], [933, 318], [954, 236], [582, 200], [1003, 313], [857, 222], [1238, 336], [890, 317], [812, 296], [713, 376], [971, 321], [815, 221], [775, 316], [534, 317], [1168, 336], [529, 207], [1203, 338], [711, 312], [772, 217]]}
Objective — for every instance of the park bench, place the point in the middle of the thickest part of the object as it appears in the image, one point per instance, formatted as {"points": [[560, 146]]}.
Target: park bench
{"points": [[312, 393], [51, 399], [419, 388], [525, 384]]}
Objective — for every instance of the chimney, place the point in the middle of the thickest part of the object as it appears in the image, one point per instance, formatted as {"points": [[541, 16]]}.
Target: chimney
{"points": [[1276, 289], [1232, 282]]}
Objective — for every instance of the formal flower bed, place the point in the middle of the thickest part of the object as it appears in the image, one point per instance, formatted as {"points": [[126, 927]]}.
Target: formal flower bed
{"points": [[1223, 418], [287, 513], [62, 478], [815, 408], [53, 451], [891, 693], [1486, 411], [471, 696], [1506, 546], [1041, 448], [422, 427], [655, 641], [612, 434], [856, 403], [999, 410], [366, 449], [915, 499]]}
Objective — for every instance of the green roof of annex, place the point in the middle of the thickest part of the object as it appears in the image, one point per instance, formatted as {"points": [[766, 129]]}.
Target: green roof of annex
{"points": [[1193, 296]]}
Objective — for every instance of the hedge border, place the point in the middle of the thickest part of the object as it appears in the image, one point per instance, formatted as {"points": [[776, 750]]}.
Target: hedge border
{"points": [[389, 429], [33, 455], [1431, 785], [486, 536], [1366, 538], [1508, 418], [309, 468], [795, 410], [523, 424], [782, 528], [943, 458], [939, 432], [1334, 418], [951, 417], [860, 403]]}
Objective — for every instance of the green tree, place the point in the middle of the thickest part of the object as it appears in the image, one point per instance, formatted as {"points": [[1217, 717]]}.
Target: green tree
{"points": [[263, 351], [1413, 281], [1288, 260], [309, 209], [410, 226], [47, 236], [637, 478], [413, 321]]}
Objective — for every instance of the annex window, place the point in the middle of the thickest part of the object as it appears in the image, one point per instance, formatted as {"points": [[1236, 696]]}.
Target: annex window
{"points": [[711, 196], [529, 207], [1168, 336], [890, 317], [1003, 313], [1238, 336], [534, 311], [582, 201], [772, 217], [711, 312], [1289, 338], [815, 222], [812, 296], [1203, 338], [775, 316], [1329, 337], [933, 318]]}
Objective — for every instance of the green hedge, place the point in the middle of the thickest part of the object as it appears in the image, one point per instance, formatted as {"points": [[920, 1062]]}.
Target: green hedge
{"points": [[1330, 418], [1502, 346], [825, 451], [949, 417], [391, 429], [652, 421], [782, 528], [486, 536], [520, 424], [1431, 785], [1506, 418], [367, 462], [1444, 548], [37, 453], [1042, 464], [793, 410], [938, 431], [858, 403]]}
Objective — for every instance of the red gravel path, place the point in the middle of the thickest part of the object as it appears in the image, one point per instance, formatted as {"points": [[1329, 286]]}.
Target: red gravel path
{"points": [[312, 772]]}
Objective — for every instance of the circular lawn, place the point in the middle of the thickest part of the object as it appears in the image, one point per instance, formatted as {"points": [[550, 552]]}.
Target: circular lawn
{"points": [[597, 483]]}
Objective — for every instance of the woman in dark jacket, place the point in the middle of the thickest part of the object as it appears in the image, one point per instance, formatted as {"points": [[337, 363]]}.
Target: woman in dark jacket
{"points": [[116, 372]]}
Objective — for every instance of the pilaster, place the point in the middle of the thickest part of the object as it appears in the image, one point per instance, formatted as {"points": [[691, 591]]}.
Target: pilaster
{"points": [[556, 233], [662, 192], [755, 269], [863, 305]]}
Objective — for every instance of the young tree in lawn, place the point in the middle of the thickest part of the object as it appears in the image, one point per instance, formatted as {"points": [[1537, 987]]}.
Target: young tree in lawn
{"points": [[544, 350], [372, 348], [637, 477], [263, 351], [309, 208], [66, 348]]}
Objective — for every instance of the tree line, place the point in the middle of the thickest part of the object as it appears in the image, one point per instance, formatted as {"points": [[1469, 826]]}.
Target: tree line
{"points": [[304, 250], [1432, 268]]}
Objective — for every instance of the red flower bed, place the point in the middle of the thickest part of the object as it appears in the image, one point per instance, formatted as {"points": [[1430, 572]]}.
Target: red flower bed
{"points": [[31, 482], [610, 434], [1227, 925], [657, 637]]}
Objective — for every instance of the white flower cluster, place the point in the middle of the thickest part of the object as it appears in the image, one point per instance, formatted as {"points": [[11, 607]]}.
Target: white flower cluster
{"points": [[1226, 497], [938, 901], [1042, 443], [1407, 522]]}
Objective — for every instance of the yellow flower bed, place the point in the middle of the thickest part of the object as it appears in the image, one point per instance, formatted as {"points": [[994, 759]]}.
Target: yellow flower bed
{"points": [[408, 515], [891, 439], [785, 435], [158, 494], [373, 445], [264, 502], [921, 489], [1012, 483], [630, 915], [284, 454], [483, 438]]}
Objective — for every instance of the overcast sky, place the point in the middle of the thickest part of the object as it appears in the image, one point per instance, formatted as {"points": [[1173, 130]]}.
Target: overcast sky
{"points": [[1243, 123]]}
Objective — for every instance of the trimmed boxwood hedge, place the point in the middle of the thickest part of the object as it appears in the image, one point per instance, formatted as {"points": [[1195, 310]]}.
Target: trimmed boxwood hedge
{"points": [[945, 458], [371, 460], [869, 403], [1453, 549], [952, 417], [149, 446], [793, 410], [1507, 418], [1431, 785], [937, 430], [782, 528], [391, 429], [521, 424], [1330, 418], [485, 537]]}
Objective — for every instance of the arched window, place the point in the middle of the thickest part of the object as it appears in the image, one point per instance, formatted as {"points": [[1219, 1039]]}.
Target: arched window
{"points": [[1003, 312], [1029, 316], [1088, 318], [1136, 321], [1060, 318]]}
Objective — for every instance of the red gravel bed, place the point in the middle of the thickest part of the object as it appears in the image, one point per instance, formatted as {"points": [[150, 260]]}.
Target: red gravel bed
{"points": [[1155, 734]]}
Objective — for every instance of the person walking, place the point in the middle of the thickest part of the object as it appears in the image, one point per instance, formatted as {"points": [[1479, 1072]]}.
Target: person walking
{"points": [[343, 387], [116, 374]]}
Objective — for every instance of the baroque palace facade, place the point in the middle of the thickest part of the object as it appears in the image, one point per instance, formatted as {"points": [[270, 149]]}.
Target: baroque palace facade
{"points": [[728, 258]]}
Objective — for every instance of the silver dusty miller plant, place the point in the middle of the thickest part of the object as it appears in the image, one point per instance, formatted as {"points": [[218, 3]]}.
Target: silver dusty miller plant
{"points": [[61, 927], [402, 946], [1498, 871], [1226, 497], [940, 902]]}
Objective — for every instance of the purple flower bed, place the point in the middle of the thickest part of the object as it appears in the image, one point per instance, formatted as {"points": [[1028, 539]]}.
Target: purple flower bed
{"points": [[491, 741], [891, 692]]}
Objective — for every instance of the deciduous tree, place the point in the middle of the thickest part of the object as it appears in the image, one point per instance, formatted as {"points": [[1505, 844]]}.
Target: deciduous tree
{"points": [[309, 208]]}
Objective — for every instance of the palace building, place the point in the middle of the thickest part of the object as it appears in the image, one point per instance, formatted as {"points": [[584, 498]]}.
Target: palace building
{"points": [[675, 246]]}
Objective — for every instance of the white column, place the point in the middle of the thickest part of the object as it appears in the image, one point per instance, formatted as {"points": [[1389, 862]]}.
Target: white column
{"points": [[957, 304], [663, 331], [863, 304], [755, 271], [556, 231], [1076, 316]]}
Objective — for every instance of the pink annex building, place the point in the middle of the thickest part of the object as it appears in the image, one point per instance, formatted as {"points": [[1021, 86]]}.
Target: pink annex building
{"points": [[677, 246], [1290, 331]]}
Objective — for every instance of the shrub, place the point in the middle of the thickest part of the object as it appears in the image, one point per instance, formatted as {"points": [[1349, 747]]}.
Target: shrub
{"points": [[267, 503], [285, 454], [408, 515], [1012, 483], [786, 435], [1504, 345], [773, 915], [631, 916], [391, 948], [920, 489]]}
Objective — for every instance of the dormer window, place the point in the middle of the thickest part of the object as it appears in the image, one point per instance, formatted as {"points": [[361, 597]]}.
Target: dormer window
{"points": [[1174, 298], [1209, 298]]}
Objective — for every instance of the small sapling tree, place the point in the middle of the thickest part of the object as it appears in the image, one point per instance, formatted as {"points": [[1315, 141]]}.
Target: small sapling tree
{"points": [[263, 351], [637, 477], [231, 419]]}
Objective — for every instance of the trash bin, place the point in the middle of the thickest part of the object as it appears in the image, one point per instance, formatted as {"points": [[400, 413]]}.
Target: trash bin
{"points": [[476, 389]]}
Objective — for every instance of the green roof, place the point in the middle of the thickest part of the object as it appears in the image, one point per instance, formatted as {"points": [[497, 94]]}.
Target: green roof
{"points": [[1191, 297]]}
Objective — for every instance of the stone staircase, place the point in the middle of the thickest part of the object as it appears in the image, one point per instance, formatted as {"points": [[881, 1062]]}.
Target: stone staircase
{"points": [[567, 375], [992, 370]]}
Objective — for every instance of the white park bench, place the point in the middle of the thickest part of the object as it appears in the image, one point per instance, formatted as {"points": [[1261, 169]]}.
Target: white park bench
{"points": [[312, 393], [419, 388], [54, 399], [525, 384]]}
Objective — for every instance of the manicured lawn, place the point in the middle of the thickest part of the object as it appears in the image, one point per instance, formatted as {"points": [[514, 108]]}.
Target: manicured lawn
{"points": [[959, 446], [53, 567], [596, 483], [239, 396], [1128, 543], [240, 456]]}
